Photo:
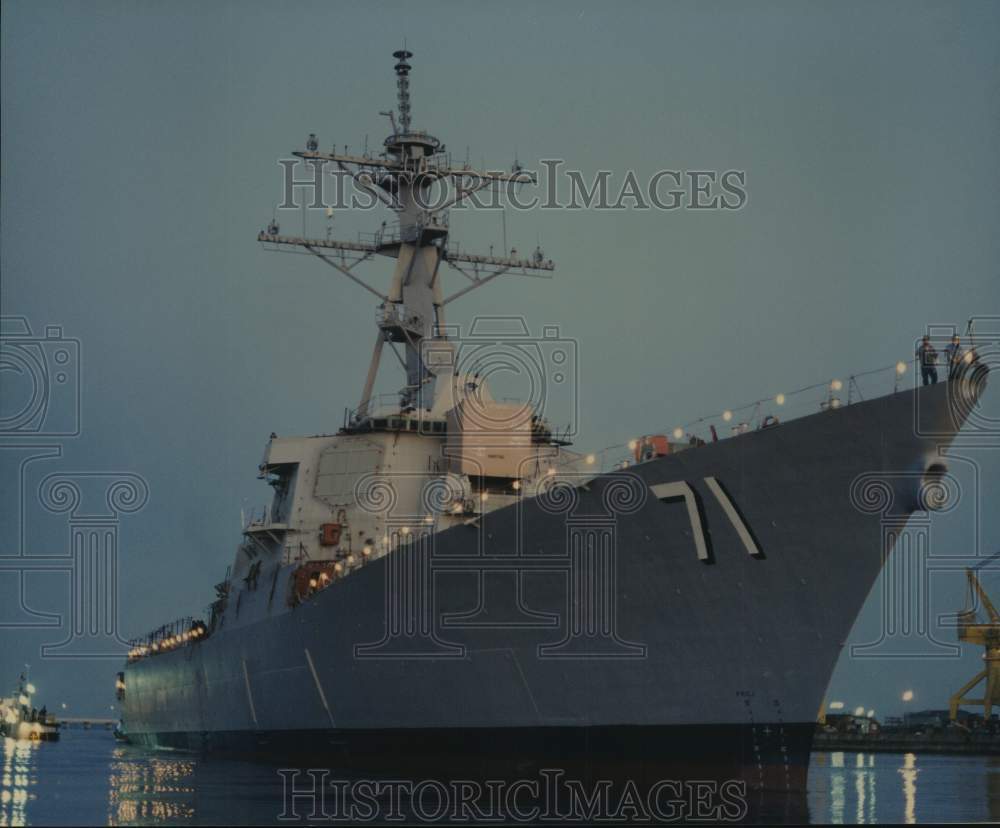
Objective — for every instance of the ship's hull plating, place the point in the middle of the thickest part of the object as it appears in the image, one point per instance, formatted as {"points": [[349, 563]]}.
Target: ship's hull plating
{"points": [[651, 661]]}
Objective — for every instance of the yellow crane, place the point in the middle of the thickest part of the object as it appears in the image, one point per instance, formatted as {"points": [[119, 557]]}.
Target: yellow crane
{"points": [[987, 633]]}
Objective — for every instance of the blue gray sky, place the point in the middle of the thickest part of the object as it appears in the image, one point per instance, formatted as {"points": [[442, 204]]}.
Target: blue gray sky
{"points": [[139, 161]]}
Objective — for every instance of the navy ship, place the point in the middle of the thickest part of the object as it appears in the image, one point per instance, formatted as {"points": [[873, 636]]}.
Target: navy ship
{"points": [[444, 583]]}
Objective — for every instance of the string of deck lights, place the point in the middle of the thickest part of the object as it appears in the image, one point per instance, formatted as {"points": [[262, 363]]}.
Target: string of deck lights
{"points": [[170, 642], [780, 399]]}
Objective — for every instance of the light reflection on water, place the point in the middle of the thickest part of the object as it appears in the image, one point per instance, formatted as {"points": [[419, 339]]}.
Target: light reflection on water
{"points": [[88, 779], [18, 780], [160, 789], [870, 788]]}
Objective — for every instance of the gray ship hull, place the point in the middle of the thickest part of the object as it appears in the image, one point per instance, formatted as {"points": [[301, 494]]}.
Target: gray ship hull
{"points": [[583, 635]]}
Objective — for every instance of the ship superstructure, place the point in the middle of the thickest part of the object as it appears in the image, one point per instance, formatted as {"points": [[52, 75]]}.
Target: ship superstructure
{"points": [[444, 424]]}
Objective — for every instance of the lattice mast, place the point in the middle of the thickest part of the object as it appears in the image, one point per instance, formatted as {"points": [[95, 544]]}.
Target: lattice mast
{"points": [[402, 178]]}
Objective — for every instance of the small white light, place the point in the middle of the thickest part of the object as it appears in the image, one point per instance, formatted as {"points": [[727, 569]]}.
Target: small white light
{"points": [[405, 530], [633, 445], [859, 711], [30, 688], [727, 415], [836, 385], [350, 559], [516, 485], [901, 368], [457, 508], [968, 357], [871, 714], [907, 695], [484, 496], [780, 399], [429, 519], [551, 472], [591, 459], [338, 567], [678, 433], [836, 705], [835, 402], [367, 550]]}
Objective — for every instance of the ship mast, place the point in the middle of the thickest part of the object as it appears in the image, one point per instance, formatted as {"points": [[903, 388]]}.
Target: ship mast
{"points": [[412, 310]]}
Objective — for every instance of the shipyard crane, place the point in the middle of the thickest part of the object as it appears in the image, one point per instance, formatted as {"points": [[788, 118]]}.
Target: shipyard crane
{"points": [[987, 633]]}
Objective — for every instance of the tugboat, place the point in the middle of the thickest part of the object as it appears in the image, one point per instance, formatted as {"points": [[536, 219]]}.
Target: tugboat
{"points": [[19, 719], [443, 586]]}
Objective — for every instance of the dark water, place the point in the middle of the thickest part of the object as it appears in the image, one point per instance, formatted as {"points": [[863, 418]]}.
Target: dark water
{"points": [[89, 779]]}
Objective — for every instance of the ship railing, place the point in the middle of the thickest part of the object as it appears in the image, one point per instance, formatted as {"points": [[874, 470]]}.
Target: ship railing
{"points": [[766, 412], [261, 518], [257, 517], [388, 234], [177, 633], [375, 403], [388, 315]]}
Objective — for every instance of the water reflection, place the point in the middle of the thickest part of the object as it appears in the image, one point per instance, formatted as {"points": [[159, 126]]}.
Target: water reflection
{"points": [[19, 777], [88, 779], [149, 788], [851, 787], [909, 773]]}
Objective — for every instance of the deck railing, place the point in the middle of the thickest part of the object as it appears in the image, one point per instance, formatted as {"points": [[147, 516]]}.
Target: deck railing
{"points": [[773, 409]]}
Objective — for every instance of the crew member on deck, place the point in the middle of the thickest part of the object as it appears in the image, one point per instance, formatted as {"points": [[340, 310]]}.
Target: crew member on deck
{"points": [[928, 361], [953, 354]]}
